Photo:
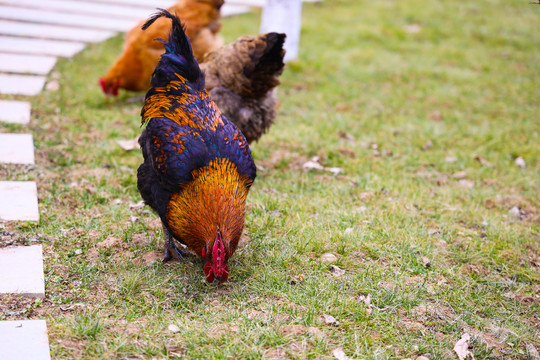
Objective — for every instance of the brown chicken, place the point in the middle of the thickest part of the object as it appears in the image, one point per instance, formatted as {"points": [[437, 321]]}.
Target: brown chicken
{"points": [[133, 69], [241, 78]]}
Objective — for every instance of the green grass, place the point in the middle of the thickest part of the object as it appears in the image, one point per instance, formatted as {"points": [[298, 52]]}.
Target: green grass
{"points": [[467, 83]]}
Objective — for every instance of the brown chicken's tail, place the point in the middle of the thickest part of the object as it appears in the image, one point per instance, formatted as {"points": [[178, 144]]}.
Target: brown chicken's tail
{"points": [[267, 65]]}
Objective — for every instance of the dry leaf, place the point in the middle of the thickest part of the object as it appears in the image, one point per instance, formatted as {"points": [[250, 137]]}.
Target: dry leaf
{"points": [[365, 196], [296, 279], [314, 164], [428, 145], [329, 319], [516, 213], [127, 145], [468, 184], [436, 115], [366, 299], [136, 206], [369, 305], [483, 161], [450, 159], [346, 136], [460, 175], [462, 348], [413, 29], [173, 328], [520, 162], [426, 262], [334, 170], [71, 307], [328, 258], [175, 350], [336, 271]]}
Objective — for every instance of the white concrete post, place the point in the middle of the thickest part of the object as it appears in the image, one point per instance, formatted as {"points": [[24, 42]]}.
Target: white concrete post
{"points": [[284, 16]]}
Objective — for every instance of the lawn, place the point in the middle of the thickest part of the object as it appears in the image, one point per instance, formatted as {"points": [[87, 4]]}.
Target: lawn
{"points": [[431, 111]]}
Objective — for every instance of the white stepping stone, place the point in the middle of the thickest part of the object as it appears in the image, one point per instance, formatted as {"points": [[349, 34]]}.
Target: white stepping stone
{"points": [[21, 45], [18, 201], [53, 31], [21, 84], [59, 18], [17, 112], [16, 149], [83, 7], [24, 339], [21, 271], [230, 10], [29, 64]]}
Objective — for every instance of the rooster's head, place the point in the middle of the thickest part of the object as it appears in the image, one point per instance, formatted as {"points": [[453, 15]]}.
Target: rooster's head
{"points": [[216, 256]]}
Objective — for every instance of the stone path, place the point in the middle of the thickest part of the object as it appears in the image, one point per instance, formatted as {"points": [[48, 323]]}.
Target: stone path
{"points": [[17, 112], [24, 340], [26, 64], [16, 149], [21, 84], [19, 201], [21, 271]]}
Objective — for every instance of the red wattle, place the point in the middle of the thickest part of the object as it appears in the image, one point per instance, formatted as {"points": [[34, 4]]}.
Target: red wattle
{"points": [[208, 272], [225, 274]]}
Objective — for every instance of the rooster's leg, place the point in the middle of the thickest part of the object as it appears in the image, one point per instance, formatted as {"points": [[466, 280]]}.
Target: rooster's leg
{"points": [[171, 250]]}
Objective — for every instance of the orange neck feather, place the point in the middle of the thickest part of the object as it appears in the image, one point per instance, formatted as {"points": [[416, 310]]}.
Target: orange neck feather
{"points": [[215, 197]]}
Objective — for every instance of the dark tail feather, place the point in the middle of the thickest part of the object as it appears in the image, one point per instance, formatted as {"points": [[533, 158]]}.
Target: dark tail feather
{"points": [[265, 74], [178, 55]]}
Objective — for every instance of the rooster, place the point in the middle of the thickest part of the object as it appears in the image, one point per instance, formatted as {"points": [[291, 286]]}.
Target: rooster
{"points": [[133, 69], [241, 78], [197, 168]]}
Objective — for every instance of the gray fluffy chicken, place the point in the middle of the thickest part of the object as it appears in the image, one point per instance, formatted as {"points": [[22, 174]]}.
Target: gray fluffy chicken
{"points": [[241, 78]]}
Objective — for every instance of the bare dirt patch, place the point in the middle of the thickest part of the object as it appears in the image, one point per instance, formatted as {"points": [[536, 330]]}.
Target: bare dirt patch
{"points": [[276, 354], [148, 258], [526, 211], [292, 330], [220, 330]]}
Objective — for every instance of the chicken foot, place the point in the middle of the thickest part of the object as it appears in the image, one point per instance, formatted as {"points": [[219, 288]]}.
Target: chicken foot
{"points": [[171, 250]]}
